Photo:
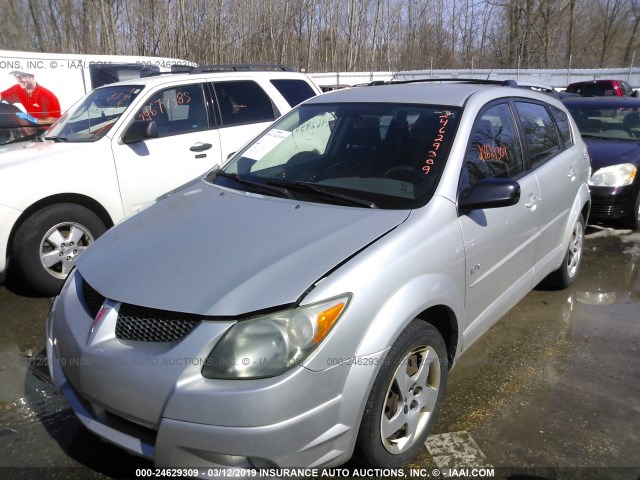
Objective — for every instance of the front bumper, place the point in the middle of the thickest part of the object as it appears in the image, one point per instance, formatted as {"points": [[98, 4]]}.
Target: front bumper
{"points": [[284, 421], [314, 439], [613, 202]]}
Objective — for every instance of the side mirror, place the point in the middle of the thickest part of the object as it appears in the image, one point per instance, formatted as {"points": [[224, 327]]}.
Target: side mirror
{"points": [[140, 130], [490, 193]]}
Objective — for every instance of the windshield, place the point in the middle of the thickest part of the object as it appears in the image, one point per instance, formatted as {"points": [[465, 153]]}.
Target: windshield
{"points": [[607, 121], [367, 155], [92, 117]]}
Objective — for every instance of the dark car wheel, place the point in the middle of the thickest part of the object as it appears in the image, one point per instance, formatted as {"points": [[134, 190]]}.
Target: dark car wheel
{"points": [[568, 271], [48, 243], [405, 399]]}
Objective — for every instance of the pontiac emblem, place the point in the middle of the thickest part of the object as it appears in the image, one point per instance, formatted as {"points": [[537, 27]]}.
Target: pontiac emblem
{"points": [[103, 311]]}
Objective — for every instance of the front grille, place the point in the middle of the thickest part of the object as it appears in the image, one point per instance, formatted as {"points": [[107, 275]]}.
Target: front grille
{"points": [[151, 325], [609, 211], [143, 324], [92, 299]]}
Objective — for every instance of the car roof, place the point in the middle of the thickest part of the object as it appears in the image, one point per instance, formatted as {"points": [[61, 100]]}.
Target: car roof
{"points": [[452, 94], [585, 82], [172, 77]]}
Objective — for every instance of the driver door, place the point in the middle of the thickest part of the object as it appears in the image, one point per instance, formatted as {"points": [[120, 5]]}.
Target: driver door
{"points": [[187, 146]]}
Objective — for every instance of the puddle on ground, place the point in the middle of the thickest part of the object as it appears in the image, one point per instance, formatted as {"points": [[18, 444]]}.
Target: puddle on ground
{"points": [[39, 402]]}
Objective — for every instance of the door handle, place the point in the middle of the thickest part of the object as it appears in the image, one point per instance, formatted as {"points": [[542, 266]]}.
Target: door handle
{"points": [[200, 147], [572, 174], [533, 201]]}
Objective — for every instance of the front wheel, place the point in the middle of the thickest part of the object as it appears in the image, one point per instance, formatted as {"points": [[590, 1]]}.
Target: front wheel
{"points": [[405, 399], [48, 243], [564, 276]]}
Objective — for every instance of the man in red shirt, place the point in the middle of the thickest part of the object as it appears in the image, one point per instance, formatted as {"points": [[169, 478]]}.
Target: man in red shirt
{"points": [[42, 106]]}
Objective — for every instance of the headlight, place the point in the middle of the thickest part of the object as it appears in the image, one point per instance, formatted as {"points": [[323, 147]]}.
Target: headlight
{"points": [[614, 176], [268, 346]]}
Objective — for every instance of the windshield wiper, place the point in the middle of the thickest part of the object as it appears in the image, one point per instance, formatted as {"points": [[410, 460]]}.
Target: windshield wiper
{"points": [[601, 137], [251, 184], [56, 138], [26, 138], [316, 190]]}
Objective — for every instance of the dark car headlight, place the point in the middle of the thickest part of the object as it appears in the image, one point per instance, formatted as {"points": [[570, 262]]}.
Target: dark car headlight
{"points": [[614, 176]]}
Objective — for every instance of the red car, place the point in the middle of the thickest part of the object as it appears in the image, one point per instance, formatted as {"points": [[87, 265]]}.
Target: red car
{"points": [[601, 88]]}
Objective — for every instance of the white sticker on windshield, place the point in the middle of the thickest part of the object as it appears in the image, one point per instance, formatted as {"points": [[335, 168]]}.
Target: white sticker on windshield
{"points": [[268, 142]]}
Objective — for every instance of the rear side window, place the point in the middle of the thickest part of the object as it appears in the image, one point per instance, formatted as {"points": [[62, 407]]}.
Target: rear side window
{"points": [[605, 89], [562, 121], [294, 91], [591, 89], [539, 132], [243, 102]]}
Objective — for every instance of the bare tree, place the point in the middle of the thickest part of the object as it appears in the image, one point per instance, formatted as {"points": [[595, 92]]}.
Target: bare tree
{"points": [[331, 35], [632, 42], [611, 13]]}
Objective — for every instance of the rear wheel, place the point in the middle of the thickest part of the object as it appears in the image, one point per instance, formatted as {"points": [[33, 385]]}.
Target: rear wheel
{"points": [[404, 402], [568, 271], [48, 243]]}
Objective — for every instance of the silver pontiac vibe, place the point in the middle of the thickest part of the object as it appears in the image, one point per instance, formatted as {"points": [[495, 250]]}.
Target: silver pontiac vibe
{"points": [[305, 302]]}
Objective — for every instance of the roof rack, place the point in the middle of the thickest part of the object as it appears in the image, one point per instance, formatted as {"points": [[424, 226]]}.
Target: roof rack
{"points": [[503, 83], [240, 68]]}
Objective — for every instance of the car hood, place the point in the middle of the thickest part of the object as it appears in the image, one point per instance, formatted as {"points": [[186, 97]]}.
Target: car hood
{"points": [[23, 153], [218, 252], [610, 152]]}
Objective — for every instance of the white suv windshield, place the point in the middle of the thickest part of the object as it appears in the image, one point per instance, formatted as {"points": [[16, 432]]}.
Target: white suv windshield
{"points": [[383, 155], [90, 119]]}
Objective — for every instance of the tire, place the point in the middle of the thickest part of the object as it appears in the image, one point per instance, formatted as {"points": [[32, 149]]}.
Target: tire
{"points": [[405, 399], [633, 220], [564, 276], [48, 243]]}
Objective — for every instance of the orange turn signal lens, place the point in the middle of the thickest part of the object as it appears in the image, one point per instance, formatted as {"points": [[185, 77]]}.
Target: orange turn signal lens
{"points": [[325, 321]]}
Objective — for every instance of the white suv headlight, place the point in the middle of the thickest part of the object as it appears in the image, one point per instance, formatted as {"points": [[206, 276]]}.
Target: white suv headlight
{"points": [[614, 176], [270, 345]]}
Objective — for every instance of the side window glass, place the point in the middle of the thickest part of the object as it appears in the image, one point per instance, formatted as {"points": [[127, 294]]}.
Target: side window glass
{"points": [[539, 132], [243, 102], [294, 91], [176, 110], [604, 89], [562, 121], [494, 147]]}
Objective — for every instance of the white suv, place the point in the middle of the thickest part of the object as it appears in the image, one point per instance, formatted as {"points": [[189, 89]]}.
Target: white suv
{"points": [[119, 148]]}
